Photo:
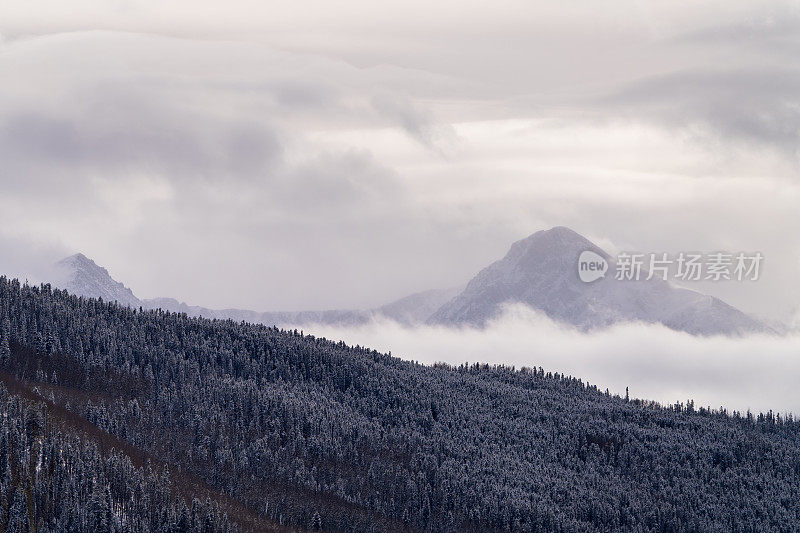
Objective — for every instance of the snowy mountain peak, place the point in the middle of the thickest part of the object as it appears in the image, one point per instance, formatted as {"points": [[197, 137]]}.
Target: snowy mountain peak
{"points": [[81, 276], [559, 245], [558, 234], [541, 272], [80, 261]]}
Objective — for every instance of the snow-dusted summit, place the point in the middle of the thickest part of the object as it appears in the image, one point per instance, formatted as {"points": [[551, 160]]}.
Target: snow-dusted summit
{"points": [[80, 275], [541, 271]]}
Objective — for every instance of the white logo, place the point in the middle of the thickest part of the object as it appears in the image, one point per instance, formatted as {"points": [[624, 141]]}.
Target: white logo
{"points": [[591, 266]]}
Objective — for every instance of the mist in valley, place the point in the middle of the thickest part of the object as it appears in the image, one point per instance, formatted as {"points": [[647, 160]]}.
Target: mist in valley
{"points": [[757, 372]]}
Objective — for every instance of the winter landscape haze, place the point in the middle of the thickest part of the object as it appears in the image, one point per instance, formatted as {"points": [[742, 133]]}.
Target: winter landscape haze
{"points": [[530, 308], [420, 266]]}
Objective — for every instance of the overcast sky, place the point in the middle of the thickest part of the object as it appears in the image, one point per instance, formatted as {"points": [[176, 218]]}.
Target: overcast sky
{"points": [[302, 155]]}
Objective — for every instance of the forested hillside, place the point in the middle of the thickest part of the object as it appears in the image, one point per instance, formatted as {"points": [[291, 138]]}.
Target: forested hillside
{"points": [[58, 480], [313, 434]]}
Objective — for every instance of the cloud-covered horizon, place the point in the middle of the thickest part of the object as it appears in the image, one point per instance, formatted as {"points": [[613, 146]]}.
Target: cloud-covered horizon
{"points": [[755, 372]]}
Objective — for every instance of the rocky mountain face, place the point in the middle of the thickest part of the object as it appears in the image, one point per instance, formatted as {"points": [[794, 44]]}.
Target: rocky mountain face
{"points": [[80, 275], [541, 271]]}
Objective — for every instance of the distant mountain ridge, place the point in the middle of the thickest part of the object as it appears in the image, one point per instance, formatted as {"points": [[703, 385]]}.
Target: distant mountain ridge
{"points": [[539, 271], [80, 275], [413, 309], [342, 317]]}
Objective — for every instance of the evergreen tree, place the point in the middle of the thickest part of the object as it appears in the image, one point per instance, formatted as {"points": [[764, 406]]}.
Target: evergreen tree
{"points": [[18, 520], [5, 339], [316, 522]]}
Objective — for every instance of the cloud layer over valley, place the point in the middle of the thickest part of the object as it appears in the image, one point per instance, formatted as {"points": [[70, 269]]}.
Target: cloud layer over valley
{"points": [[756, 372]]}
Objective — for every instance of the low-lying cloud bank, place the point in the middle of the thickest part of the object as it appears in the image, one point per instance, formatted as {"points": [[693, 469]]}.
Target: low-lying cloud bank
{"points": [[757, 372]]}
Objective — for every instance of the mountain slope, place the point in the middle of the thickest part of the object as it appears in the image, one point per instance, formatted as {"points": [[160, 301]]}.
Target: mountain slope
{"points": [[418, 307], [80, 275], [541, 271], [311, 433], [91, 480]]}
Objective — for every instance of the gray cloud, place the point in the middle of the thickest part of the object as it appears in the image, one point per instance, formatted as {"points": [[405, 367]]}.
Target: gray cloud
{"points": [[298, 156], [340, 181], [416, 123], [31, 136], [752, 105], [136, 134], [25, 258]]}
